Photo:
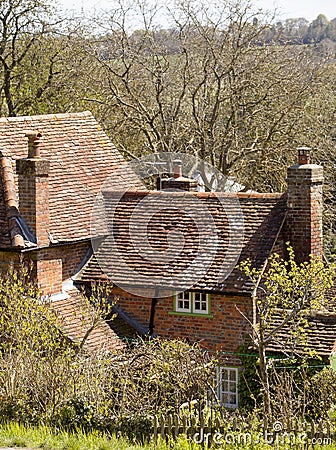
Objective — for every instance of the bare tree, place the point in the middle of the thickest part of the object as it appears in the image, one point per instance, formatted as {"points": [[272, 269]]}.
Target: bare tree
{"points": [[208, 85]]}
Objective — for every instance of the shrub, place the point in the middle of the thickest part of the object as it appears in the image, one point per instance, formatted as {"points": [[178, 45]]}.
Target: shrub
{"points": [[45, 378]]}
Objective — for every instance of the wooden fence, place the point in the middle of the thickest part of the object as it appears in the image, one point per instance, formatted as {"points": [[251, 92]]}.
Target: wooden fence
{"points": [[205, 427]]}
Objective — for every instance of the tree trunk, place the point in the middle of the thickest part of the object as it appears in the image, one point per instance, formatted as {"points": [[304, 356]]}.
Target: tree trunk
{"points": [[8, 93], [264, 381]]}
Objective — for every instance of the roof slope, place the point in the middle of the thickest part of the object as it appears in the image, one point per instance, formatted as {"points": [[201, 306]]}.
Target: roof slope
{"points": [[144, 247], [320, 335], [81, 157], [77, 317]]}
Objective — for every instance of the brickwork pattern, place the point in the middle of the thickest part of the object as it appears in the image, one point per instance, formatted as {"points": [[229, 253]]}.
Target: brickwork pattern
{"points": [[54, 265], [34, 197], [51, 266], [305, 209], [224, 330]]}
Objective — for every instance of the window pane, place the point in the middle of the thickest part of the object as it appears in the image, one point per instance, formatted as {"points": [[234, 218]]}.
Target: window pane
{"points": [[200, 302], [225, 386], [232, 375], [232, 387], [232, 399], [183, 302], [228, 388]]}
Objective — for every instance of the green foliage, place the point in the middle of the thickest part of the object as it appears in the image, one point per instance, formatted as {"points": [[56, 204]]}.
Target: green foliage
{"points": [[13, 435], [46, 378], [76, 414], [27, 325], [158, 376], [249, 379], [322, 394], [285, 294], [136, 427]]}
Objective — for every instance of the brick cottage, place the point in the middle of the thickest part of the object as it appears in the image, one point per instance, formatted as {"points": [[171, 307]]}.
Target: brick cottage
{"points": [[51, 169], [199, 305], [49, 180]]}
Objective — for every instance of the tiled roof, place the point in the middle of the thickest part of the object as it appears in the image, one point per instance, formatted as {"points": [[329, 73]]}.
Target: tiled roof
{"points": [[321, 335], [81, 157], [76, 317], [143, 248]]}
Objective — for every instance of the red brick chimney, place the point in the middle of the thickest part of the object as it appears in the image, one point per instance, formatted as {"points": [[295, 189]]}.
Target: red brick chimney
{"points": [[177, 168], [33, 175], [305, 207], [177, 181]]}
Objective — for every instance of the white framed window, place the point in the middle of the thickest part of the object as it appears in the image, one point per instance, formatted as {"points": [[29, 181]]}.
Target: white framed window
{"points": [[192, 302], [227, 382], [183, 302]]}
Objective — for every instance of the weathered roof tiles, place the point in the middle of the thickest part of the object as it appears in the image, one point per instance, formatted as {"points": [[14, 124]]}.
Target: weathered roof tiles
{"points": [[82, 158], [144, 245]]}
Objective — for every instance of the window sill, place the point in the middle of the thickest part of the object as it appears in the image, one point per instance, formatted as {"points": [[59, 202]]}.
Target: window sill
{"points": [[178, 313], [229, 406]]}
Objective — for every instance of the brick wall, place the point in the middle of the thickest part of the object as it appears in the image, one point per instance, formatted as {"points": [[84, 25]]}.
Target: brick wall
{"points": [[137, 308], [56, 264], [8, 259], [224, 331], [49, 275], [51, 266]]}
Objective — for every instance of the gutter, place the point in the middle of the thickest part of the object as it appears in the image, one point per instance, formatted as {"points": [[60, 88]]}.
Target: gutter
{"points": [[152, 312]]}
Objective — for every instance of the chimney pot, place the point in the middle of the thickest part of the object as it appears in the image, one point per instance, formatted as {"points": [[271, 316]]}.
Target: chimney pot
{"points": [[177, 168], [304, 155], [34, 144]]}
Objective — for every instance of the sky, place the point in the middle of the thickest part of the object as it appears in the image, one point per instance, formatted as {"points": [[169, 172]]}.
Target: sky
{"points": [[308, 9]]}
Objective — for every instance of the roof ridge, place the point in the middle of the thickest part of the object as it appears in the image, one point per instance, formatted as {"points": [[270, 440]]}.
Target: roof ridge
{"points": [[11, 204], [181, 193], [68, 115]]}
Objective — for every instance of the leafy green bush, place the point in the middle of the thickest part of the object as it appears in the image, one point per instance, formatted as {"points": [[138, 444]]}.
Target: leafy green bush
{"points": [[322, 394], [45, 378]]}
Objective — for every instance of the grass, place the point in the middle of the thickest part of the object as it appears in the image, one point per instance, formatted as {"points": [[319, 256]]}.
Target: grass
{"points": [[43, 437], [46, 438]]}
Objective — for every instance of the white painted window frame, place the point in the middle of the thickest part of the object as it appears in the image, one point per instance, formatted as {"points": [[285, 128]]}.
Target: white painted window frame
{"points": [[227, 386], [192, 298]]}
